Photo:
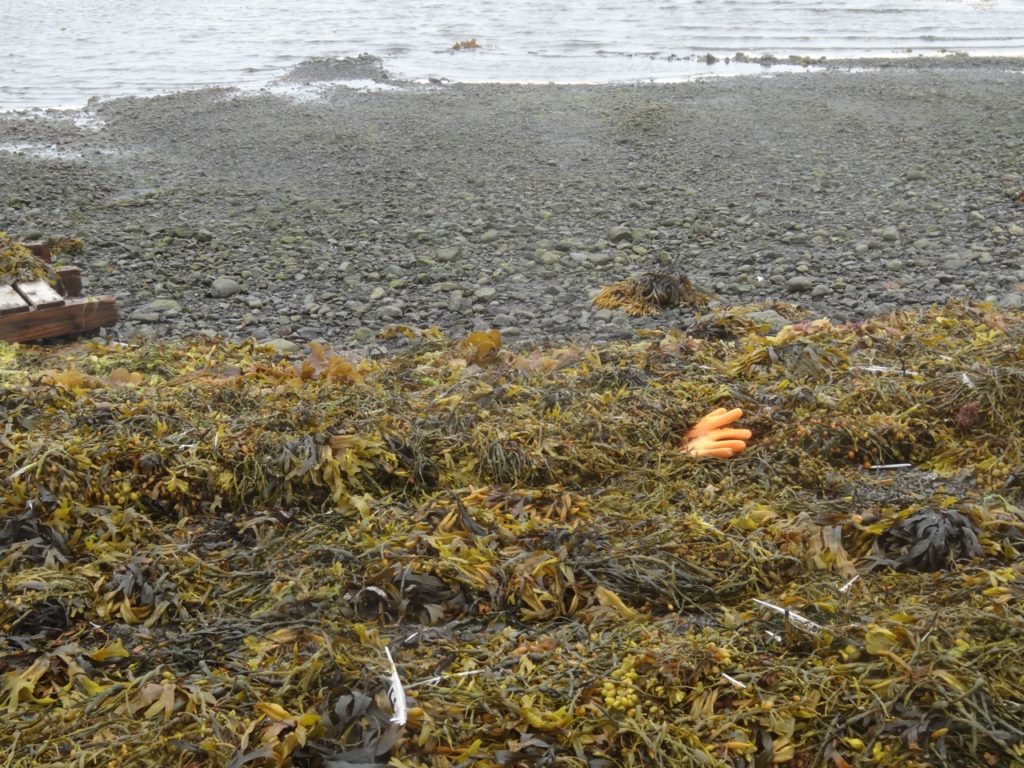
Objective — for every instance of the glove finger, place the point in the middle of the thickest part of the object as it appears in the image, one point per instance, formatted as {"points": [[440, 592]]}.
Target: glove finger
{"points": [[724, 417], [730, 434], [706, 424], [716, 452], [733, 446]]}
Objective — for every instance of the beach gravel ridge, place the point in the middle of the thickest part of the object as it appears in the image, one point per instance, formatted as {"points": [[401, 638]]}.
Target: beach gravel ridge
{"points": [[470, 206]]}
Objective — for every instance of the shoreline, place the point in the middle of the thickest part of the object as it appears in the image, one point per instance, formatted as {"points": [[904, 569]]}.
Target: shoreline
{"points": [[471, 206], [368, 72]]}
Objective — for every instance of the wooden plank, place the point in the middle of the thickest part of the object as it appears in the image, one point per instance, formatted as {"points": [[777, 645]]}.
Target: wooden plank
{"points": [[75, 316], [11, 301], [40, 251], [39, 294], [69, 281]]}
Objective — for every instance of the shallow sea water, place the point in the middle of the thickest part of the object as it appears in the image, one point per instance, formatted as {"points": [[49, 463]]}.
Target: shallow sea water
{"points": [[55, 53]]}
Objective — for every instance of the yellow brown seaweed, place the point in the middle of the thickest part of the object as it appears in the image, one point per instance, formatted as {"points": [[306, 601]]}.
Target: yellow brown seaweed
{"points": [[205, 550]]}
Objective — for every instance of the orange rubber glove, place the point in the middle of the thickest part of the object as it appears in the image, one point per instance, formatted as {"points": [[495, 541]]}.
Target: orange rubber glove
{"points": [[709, 438]]}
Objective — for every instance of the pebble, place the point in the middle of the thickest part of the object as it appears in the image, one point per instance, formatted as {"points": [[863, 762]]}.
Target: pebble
{"points": [[799, 284], [282, 346], [1012, 301], [489, 236], [447, 255], [223, 287], [618, 234], [155, 310], [363, 333], [890, 234], [770, 318], [485, 292]]}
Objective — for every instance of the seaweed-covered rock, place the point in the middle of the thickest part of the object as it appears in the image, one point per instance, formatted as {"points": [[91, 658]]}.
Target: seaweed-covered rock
{"points": [[930, 540], [650, 293]]}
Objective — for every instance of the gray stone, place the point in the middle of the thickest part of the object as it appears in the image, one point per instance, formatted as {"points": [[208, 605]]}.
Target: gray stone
{"points": [[600, 258], [1012, 301], [770, 318], [618, 234], [141, 316], [223, 287], [162, 306], [489, 236], [282, 346], [799, 284], [448, 254], [890, 234], [820, 290], [485, 292]]}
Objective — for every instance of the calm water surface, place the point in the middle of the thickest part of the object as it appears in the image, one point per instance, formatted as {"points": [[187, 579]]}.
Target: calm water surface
{"points": [[61, 53]]}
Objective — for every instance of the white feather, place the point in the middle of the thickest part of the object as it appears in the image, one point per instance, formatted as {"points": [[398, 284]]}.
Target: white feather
{"points": [[793, 616], [397, 693]]}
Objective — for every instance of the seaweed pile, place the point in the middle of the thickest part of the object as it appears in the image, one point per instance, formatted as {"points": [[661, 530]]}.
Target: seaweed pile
{"points": [[18, 262], [209, 554], [649, 293]]}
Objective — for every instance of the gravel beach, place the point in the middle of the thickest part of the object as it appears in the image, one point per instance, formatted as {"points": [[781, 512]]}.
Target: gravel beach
{"points": [[254, 214]]}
